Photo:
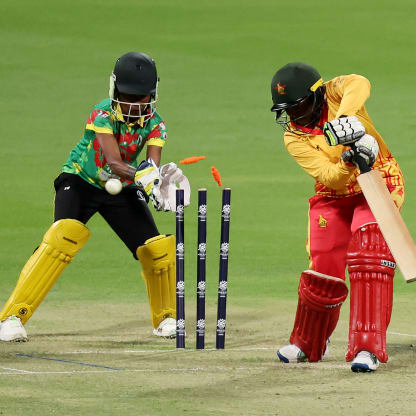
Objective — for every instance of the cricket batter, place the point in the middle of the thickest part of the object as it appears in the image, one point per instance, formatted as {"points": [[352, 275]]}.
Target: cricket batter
{"points": [[317, 118], [104, 174]]}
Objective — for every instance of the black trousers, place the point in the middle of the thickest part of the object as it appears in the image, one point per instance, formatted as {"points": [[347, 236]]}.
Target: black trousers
{"points": [[127, 213]]}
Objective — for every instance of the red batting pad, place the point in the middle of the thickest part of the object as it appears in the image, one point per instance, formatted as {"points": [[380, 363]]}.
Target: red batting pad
{"points": [[320, 300], [371, 268]]}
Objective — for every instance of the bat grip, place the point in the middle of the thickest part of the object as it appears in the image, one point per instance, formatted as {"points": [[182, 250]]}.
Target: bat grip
{"points": [[362, 165]]}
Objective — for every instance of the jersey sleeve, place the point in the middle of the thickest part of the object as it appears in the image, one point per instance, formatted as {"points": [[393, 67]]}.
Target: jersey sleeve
{"points": [[100, 122], [317, 165], [352, 91], [158, 135]]}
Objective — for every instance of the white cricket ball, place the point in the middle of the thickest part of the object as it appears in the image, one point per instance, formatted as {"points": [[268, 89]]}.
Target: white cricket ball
{"points": [[113, 186]]}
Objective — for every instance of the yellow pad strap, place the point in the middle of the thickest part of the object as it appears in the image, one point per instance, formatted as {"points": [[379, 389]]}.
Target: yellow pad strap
{"points": [[157, 257], [59, 245]]}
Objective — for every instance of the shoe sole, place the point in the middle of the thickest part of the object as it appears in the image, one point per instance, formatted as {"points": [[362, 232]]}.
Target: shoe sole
{"points": [[285, 360], [19, 339], [361, 368], [170, 336]]}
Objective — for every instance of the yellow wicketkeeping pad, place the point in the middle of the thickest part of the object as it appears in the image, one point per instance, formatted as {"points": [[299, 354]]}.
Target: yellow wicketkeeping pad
{"points": [[157, 257], [60, 244]]}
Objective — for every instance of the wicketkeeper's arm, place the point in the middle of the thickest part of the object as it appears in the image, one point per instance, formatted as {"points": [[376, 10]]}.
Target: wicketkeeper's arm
{"points": [[112, 155], [154, 153], [144, 176]]}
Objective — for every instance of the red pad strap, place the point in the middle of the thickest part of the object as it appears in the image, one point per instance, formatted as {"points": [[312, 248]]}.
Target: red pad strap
{"points": [[320, 300], [371, 268]]}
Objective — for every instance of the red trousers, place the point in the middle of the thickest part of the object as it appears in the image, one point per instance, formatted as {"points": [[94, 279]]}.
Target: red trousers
{"points": [[332, 221]]}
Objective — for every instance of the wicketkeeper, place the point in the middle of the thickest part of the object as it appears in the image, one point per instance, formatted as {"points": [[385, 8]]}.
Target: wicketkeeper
{"points": [[117, 132], [328, 132]]}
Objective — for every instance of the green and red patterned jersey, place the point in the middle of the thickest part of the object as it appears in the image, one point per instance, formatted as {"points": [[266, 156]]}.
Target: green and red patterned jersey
{"points": [[87, 158]]}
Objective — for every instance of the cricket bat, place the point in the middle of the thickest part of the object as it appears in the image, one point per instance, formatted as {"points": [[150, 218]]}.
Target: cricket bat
{"points": [[390, 221]]}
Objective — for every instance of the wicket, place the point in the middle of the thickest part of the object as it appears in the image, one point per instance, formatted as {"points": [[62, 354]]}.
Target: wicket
{"points": [[201, 269], [180, 270], [223, 274]]}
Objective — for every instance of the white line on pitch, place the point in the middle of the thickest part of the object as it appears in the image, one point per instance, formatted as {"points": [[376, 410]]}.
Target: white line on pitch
{"points": [[52, 372], [149, 370], [15, 369], [166, 351], [327, 366], [399, 333], [251, 349]]}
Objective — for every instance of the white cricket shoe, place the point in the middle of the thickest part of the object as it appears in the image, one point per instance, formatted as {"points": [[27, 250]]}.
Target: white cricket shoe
{"points": [[293, 354], [12, 330], [166, 329], [364, 362]]}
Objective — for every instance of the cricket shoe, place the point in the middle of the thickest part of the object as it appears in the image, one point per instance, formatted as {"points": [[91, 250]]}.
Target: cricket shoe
{"points": [[293, 354], [364, 362], [166, 329], [12, 330]]}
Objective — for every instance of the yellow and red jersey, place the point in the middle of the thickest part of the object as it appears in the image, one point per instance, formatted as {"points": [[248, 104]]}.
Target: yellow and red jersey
{"points": [[345, 95]]}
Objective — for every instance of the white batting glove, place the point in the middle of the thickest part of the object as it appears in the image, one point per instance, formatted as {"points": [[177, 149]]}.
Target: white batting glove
{"points": [[344, 130], [365, 148]]}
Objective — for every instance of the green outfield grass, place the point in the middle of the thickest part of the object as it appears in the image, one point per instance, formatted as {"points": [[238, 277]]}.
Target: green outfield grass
{"points": [[215, 60]]}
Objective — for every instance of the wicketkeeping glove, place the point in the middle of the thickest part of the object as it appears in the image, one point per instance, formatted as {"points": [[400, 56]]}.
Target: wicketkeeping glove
{"points": [[343, 131], [156, 197], [172, 178], [365, 149], [146, 175]]}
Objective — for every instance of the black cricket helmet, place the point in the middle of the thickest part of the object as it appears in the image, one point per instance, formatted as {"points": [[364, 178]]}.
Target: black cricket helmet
{"points": [[134, 74], [295, 84]]}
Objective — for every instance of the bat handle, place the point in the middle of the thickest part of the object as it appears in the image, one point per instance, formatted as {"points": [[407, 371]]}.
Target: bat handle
{"points": [[362, 165]]}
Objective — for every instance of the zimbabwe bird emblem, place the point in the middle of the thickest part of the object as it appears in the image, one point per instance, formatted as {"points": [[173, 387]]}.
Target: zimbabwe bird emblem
{"points": [[280, 88]]}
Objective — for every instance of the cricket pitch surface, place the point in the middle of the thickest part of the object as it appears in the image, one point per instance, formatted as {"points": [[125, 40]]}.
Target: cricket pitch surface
{"points": [[86, 366]]}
